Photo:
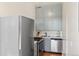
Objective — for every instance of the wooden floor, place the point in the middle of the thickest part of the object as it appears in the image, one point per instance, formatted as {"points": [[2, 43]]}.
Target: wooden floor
{"points": [[49, 54]]}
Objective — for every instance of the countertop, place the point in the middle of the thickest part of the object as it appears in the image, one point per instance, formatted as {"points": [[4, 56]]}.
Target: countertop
{"points": [[52, 38], [37, 38]]}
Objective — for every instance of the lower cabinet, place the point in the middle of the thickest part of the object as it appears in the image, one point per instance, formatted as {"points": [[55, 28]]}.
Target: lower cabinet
{"points": [[41, 45], [51, 45], [45, 45], [56, 46]]}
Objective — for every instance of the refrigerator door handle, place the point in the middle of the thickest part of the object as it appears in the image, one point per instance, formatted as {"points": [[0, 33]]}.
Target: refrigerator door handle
{"points": [[19, 34], [20, 44]]}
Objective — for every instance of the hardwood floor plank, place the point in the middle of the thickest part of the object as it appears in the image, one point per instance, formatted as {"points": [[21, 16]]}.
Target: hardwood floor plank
{"points": [[49, 54]]}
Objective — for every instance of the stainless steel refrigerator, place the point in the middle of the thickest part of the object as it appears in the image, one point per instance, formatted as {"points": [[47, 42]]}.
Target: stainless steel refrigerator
{"points": [[16, 36]]}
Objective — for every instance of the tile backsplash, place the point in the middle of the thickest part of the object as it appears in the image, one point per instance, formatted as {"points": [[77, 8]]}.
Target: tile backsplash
{"points": [[50, 33]]}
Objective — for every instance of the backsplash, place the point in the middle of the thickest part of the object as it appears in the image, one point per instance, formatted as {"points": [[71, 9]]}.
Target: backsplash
{"points": [[50, 33]]}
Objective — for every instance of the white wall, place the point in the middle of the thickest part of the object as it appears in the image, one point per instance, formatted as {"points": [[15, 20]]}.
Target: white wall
{"points": [[70, 29], [25, 9]]}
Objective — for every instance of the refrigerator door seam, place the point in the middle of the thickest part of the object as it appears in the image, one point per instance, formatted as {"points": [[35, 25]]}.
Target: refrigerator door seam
{"points": [[19, 40]]}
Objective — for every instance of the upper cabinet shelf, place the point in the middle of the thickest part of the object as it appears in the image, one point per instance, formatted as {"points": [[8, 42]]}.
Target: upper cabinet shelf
{"points": [[49, 17]]}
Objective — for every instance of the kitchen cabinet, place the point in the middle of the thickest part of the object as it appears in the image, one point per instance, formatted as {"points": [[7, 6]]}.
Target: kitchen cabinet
{"points": [[51, 45], [56, 45], [49, 17], [45, 44]]}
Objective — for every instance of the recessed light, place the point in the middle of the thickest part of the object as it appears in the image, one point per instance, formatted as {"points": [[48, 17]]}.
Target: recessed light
{"points": [[50, 13]]}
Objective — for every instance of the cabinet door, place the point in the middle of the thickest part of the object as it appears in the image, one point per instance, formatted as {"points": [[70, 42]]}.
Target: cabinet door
{"points": [[60, 46], [47, 44], [41, 45], [54, 46]]}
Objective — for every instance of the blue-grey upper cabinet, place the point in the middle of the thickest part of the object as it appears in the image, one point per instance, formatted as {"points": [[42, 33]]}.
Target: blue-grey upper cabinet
{"points": [[49, 17]]}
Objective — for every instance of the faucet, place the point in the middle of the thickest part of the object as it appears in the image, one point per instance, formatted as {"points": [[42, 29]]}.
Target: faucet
{"points": [[45, 34]]}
